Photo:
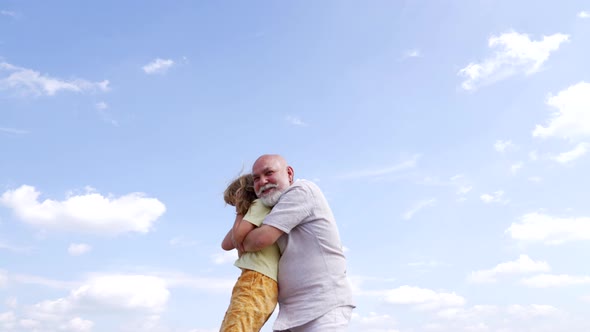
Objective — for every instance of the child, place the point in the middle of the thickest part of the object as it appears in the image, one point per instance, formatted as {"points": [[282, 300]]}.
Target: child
{"points": [[255, 294]]}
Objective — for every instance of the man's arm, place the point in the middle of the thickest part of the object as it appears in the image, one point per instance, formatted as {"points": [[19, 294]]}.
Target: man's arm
{"points": [[261, 237]]}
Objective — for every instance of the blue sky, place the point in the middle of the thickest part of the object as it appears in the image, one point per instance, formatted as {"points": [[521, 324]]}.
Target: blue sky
{"points": [[450, 138]]}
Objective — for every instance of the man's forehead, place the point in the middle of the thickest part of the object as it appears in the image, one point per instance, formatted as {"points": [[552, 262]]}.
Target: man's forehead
{"points": [[265, 164]]}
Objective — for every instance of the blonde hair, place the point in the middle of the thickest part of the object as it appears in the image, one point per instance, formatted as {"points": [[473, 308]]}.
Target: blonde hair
{"points": [[240, 193]]}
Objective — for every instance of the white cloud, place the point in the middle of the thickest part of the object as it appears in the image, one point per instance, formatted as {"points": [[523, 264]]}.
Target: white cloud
{"points": [[414, 53], [90, 212], [29, 82], [13, 131], [158, 66], [475, 312], [417, 207], [462, 190], [533, 155], [423, 298], [8, 13], [572, 119], [225, 257], [533, 310], [295, 121], [377, 172], [524, 264], [569, 156], [112, 293], [537, 227], [11, 302], [516, 167], [584, 14], [372, 322], [123, 296], [77, 324], [535, 179], [3, 279], [502, 146], [514, 53], [101, 106], [555, 280], [495, 197], [77, 249], [7, 320]]}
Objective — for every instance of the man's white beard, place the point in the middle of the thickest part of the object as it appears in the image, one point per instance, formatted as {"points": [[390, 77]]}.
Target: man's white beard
{"points": [[271, 199]]}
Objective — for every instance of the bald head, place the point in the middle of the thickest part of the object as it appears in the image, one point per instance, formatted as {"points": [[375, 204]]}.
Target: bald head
{"points": [[272, 176]]}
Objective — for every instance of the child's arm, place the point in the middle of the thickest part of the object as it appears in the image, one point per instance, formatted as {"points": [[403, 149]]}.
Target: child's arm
{"points": [[236, 235], [227, 243]]}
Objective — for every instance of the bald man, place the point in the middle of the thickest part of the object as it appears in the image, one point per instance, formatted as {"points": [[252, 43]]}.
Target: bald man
{"points": [[314, 292]]}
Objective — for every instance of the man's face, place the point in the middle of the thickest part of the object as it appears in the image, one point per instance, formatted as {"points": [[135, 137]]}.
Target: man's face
{"points": [[272, 177]]}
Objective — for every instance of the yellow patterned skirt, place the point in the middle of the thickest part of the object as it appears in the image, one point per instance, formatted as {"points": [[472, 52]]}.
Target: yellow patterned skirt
{"points": [[253, 300]]}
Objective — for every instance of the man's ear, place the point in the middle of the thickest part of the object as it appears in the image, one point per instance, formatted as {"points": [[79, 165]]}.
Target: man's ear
{"points": [[291, 174]]}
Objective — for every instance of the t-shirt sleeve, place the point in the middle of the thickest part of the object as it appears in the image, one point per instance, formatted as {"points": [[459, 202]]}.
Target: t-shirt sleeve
{"points": [[293, 208], [256, 213]]}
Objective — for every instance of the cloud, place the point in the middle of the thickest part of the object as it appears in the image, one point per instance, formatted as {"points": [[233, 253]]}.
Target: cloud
{"points": [[475, 312], [522, 265], [3, 279], [224, 257], [116, 294], [77, 249], [10, 247], [555, 280], [569, 156], [101, 106], [533, 310], [414, 53], [377, 172], [372, 322], [90, 212], [495, 197], [516, 167], [502, 146], [417, 207], [158, 66], [514, 53], [295, 121], [538, 227], [9, 13], [7, 320], [13, 131], [29, 82], [584, 14], [77, 324], [572, 119], [110, 293], [423, 298]]}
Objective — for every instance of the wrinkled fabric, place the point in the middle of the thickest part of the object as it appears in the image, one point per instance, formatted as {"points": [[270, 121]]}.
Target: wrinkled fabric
{"points": [[253, 300]]}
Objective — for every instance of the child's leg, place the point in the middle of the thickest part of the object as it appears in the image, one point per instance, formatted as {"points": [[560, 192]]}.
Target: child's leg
{"points": [[253, 300]]}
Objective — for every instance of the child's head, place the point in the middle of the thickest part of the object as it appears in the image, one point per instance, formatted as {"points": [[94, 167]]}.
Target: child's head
{"points": [[240, 193]]}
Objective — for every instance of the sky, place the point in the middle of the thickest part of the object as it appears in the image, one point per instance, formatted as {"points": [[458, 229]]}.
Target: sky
{"points": [[451, 139]]}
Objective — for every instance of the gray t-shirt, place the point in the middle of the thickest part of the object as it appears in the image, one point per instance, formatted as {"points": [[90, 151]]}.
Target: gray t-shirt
{"points": [[312, 268]]}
